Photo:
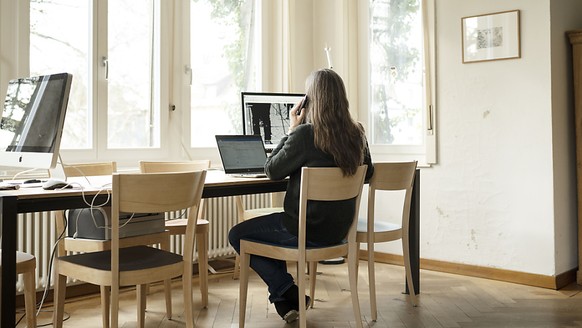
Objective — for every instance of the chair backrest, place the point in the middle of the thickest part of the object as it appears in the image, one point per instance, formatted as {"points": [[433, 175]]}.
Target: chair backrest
{"points": [[394, 176], [156, 192], [89, 169], [164, 167], [329, 184], [159, 167]]}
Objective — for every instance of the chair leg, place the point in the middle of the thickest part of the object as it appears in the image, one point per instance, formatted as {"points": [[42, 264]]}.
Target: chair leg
{"points": [[372, 280], [187, 289], [165, 245], [105, 305], [59, 298], [353, 273], [30, 298], [410, 282], [202, 245], [141, 292], [312, 278], [115, 305], [301, 284], [236, 270], [168, 294], [245, 262]]}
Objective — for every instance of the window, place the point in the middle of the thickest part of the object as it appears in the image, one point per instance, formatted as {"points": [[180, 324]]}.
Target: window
{"points": [[61, 45], [64, 37], [133, 120], [223, 63], [398, 75], [396, 72]]}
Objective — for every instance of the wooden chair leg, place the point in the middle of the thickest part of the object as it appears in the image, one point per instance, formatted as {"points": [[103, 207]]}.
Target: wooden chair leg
{"points": [[245, 262], [168, 295], [372, 281], [353, 273], [236, 271], [105, 305], [202, 246], [312, 278], [59, 298], [141, 292], [165, 245], [188, 302], [410, 282], [301, 285], [30, 298], [115, 306]]}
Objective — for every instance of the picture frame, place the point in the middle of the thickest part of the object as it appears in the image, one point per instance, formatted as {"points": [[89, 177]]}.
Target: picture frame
{"points": [[494, 36]]}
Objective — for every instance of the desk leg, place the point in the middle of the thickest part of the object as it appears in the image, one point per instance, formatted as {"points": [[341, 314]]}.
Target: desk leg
{"points": [[8, 291], [414, 235]]}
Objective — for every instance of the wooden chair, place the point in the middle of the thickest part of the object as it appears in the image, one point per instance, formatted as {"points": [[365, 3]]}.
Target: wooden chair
{"points": [[70, 244], [324, 184], [178, 226], [388, 177], [26, 265], [138, 265], [246, 214]]}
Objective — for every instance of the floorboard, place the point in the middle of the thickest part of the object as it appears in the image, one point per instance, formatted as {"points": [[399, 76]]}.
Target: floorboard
{"points": [[446, 300]]}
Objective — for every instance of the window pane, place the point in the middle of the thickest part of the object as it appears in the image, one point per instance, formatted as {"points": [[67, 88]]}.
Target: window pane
{"points": [[59, 32], [221, 58], [396, 72], [133, 121]]}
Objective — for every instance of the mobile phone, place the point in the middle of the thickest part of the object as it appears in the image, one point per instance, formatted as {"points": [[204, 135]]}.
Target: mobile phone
{"points": [[304, 104]]}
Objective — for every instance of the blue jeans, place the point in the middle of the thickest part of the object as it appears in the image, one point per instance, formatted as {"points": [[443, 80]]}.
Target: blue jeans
{"points": [[268, 229]]}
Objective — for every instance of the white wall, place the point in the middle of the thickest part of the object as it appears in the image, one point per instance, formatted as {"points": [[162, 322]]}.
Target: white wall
{"points": [[498, 197]]}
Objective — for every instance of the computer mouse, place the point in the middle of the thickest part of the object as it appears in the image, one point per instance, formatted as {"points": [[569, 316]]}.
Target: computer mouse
{"points": [[52, 184]]}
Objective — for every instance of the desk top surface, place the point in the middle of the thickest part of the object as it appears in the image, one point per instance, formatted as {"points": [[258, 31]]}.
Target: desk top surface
{"points": [[102, 184]]}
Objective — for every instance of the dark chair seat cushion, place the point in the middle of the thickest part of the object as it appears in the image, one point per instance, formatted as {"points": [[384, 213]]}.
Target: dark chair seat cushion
{"points": [[130, 258]]}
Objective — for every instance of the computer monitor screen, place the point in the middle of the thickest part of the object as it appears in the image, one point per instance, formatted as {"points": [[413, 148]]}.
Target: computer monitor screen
{"points": [[32, 120], [267, 114]]}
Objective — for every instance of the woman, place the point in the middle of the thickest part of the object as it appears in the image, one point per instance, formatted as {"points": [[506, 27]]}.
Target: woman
{"points": [[330, 138]]}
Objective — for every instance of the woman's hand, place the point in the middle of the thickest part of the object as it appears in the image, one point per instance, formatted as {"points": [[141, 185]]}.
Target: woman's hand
{"points": [[294, 119]]}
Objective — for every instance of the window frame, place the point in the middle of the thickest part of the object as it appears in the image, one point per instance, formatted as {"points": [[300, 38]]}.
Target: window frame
{"points": [[15, 53], [426, 154]]}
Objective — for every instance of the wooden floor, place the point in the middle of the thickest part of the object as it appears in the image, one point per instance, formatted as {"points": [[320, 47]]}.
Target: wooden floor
{"points": [[446, 300]]}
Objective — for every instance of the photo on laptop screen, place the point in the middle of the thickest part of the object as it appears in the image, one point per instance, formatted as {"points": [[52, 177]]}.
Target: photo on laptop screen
{"points": [[242, 155], [267, 115]]}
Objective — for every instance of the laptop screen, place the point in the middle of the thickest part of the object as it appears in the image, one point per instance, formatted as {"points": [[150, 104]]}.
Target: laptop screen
{"points": [[242, 153]]}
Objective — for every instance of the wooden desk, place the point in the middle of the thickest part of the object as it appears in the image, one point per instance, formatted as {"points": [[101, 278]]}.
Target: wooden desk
{"points": [[30, 200]]}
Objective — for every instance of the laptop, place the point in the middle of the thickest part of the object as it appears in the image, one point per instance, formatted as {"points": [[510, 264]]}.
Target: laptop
{"points": [[242, 155]]}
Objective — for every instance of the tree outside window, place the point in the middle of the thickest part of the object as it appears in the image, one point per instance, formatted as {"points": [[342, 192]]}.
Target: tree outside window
{"points": [[396, 72]]}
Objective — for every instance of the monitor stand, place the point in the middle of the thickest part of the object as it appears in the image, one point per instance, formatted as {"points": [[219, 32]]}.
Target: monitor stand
{"points": [[58, 172]]}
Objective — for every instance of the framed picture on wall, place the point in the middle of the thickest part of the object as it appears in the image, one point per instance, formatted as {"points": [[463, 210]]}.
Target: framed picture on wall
{"points": [[491, 37]]}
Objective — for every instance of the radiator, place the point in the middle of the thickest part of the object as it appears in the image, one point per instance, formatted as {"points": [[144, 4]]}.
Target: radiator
{"points": [[37, 233]]}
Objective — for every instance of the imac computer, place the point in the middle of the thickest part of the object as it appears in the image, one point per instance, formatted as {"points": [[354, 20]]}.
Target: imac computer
{"points": [[32, 121], [267, 115]]}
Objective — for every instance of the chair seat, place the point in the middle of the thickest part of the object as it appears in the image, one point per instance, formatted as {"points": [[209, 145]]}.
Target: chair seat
{"points": [[256, 212], [178, 226], [378, 226], [184, 222], [130, 259]]}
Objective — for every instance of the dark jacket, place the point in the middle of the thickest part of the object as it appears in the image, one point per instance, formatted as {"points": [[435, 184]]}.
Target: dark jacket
{"points": [[327, 222]]}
